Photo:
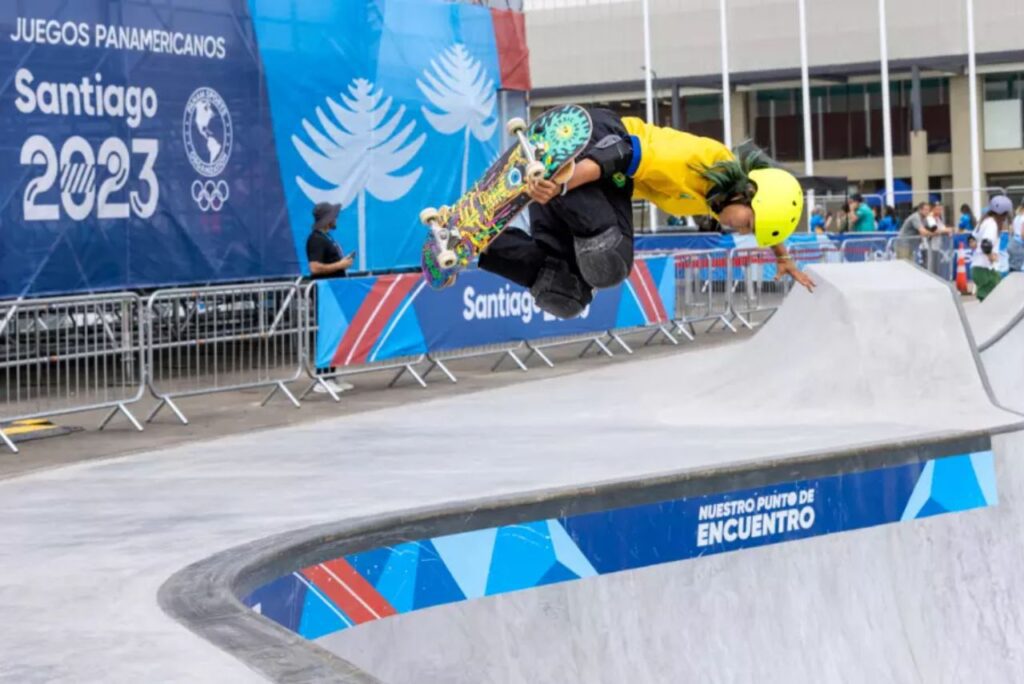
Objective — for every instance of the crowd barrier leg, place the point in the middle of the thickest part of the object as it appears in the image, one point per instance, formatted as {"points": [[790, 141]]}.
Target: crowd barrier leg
{"points": [[7, 441], [509, 354], [536, 350], [727, 324], [599, 343], [280, 387], [408, 368], [169, 403], [663, 331], [121, 408], [621, 342], [686, 331], [439, 365], [318, 380]]}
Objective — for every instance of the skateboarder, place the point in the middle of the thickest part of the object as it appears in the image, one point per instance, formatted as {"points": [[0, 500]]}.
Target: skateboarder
{"points": [[582, 223]]}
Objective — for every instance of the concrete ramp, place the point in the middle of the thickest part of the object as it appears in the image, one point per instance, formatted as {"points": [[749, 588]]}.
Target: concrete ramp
{"points": [[999, 311], [998, 325], [876, 341]]}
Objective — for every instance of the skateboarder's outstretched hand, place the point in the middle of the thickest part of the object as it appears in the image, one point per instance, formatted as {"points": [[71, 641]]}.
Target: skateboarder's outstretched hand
{"points": [[786, 266], [543, 191]]}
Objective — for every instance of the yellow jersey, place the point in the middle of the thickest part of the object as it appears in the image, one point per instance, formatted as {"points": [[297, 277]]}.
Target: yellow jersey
{"points": [[667, 166]]}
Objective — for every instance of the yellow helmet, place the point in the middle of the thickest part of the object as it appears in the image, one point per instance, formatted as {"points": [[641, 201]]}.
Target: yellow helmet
{"points": [[778, 204]]}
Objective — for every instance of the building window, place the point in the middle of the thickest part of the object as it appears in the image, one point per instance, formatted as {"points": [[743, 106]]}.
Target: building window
{"points": [[847, 120], [1004, 105]]}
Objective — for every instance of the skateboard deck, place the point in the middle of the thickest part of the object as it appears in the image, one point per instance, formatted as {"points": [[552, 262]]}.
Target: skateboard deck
{"points": [[457, 234]]}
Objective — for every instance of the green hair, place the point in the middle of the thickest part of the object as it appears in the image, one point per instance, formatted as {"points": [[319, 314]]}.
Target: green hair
{"points": [[730, 178]]}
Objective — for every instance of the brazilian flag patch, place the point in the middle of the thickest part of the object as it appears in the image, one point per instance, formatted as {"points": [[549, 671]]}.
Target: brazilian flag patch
{"points": [[619, 179]]}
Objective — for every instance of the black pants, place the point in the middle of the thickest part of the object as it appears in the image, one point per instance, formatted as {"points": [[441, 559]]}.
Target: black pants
{"points": [[584, 212]]}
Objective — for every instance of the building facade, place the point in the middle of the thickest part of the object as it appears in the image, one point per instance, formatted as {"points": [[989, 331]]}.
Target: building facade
{"points": [[591, 51]]}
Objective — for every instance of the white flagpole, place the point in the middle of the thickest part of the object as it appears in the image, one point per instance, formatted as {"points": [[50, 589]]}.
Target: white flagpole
{"points": [[649, 86], [805, 83], [805, 86], [972, 83], [886, 111], [726, 95]]}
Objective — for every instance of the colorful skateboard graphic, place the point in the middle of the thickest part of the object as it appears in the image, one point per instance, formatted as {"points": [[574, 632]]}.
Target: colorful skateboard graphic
{"points": [[458, 233]]}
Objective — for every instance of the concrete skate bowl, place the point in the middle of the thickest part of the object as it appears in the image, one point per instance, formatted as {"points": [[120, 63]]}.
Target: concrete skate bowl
{"points": [[887, 553]]}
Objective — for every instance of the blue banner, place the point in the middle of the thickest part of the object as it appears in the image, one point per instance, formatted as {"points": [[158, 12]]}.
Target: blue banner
{"points": [[383, 107], [137, 149], [365, 320], [148, 145], [338, 594]]}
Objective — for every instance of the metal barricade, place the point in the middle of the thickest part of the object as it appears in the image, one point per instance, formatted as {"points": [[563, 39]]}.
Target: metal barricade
{"points": [[224, 338], [856, 250], [538, 346], [319, 376], [702, 290], [68, 354], [935, 254], [753, 285]]}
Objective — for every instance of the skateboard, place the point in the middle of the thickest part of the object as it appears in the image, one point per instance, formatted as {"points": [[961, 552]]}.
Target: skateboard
{"points": [[457, 234]]}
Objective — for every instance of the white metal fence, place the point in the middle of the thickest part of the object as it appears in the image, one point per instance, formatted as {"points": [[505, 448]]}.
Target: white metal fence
{"points": [[219, 339], [66, 354]]}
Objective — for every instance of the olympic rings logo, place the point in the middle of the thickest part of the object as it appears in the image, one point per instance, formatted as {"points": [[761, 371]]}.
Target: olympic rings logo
{"points": [[210, 195]]}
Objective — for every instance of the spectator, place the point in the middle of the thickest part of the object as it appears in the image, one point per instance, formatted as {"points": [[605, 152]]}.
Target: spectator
{"points": [[1018, 222], [889, 222], [842, 223], [861, 219], [967, 221], [818, 220], [915, 225], [985, 260], [972, 244], [939, 243], [1015, 248], [326, 260], [913, 232]]}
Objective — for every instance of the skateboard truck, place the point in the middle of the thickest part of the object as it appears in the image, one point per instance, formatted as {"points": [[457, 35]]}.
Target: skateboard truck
{"points": [[446, 257], [534, 169]]}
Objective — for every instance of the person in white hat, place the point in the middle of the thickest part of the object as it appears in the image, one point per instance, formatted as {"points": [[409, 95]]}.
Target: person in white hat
{"points": [[985, 260]]}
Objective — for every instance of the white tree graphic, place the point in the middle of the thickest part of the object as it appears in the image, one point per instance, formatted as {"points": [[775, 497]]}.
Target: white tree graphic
{"points": [[359, 152], [457, 85]]}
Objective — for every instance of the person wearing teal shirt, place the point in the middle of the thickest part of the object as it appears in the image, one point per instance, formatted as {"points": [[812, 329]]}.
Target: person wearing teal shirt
{"points": [[862, 219]]}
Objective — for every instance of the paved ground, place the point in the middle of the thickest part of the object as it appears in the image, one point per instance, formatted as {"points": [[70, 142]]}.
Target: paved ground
{"points": [[87, 546], [230, 413]]}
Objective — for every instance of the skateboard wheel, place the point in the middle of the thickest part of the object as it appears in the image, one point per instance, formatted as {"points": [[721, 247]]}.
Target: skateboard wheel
{"points": [[427, 215], [515, 125], [535, 171], [447, 259]]}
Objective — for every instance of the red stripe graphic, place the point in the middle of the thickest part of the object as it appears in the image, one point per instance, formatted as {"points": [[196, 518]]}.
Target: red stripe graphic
{"points": [[348, 590], [380, 304], [647, 293]]}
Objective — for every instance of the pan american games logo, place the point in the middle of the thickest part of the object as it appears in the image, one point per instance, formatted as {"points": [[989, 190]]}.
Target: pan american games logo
{"points": [[208, 136]]}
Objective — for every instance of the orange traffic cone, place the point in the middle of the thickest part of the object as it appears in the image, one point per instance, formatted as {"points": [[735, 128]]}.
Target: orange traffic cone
{"points": [[961, 271]]}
